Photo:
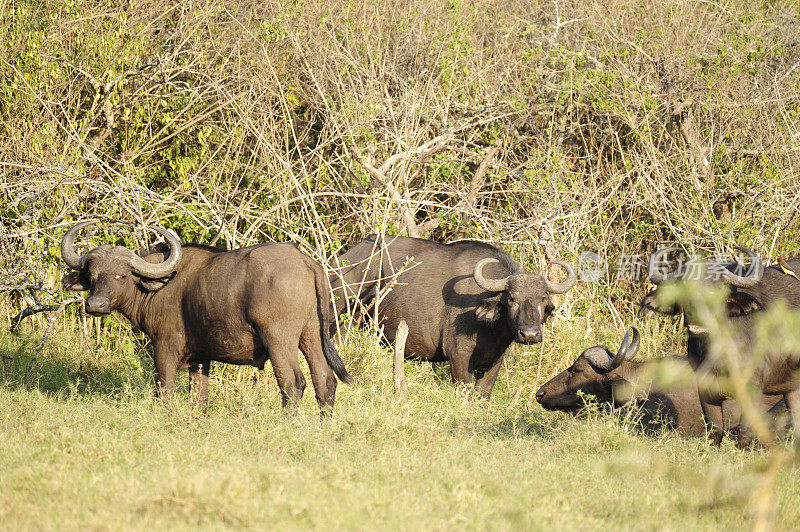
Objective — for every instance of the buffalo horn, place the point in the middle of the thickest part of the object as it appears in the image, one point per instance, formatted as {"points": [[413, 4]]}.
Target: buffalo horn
{"points": [[566, 284], [757, 271], [68, 250], [490, 285], [653, 266], [633, 347], [154, 271], [600, 358]]}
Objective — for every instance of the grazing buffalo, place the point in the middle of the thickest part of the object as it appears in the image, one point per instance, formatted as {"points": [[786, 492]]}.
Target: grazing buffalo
{"points": [[750, 293], [608, 376], [464, 302], [199, 303]]}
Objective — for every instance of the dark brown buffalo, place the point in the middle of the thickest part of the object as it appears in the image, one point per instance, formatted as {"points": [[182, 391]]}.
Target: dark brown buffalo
{"points": [[464, 302], [607, 376], [199, 303], [750, 293]]}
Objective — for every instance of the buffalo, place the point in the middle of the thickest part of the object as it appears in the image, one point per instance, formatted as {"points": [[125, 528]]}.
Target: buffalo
{"points": [[200, 304], [754, 291], [464, 302], [608, 376]]}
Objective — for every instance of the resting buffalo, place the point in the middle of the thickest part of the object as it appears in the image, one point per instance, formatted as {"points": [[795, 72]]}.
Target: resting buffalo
{"points": [[607, 376], [464, 302], [199, 303], [757, 290]]}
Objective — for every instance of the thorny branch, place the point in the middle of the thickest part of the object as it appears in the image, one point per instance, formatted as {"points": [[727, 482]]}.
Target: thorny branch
{"points": [[50, 326], [30, 311]]}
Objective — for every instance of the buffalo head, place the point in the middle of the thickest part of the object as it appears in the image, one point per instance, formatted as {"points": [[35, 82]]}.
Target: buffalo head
{"points": [[738, 303], [591, 374], [525, 300], [112, 274]]}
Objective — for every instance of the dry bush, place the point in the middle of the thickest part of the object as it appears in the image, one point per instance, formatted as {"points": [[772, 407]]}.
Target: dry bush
{"points": [[623, 126]]}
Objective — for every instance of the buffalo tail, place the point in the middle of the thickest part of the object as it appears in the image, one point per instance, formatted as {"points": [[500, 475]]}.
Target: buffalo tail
{"points": [[335, 362], [323, 308]]}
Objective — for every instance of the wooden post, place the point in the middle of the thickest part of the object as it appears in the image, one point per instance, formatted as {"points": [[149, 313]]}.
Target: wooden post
{"points": [[399, 356]]}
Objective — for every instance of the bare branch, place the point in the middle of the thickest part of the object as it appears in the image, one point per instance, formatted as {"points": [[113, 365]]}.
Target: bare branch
{"points": [[30, 311], [406, 215], [49, 329], [477, 180], [426, 150]]}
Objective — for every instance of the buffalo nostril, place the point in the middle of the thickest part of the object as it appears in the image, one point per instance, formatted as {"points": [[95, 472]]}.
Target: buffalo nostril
{"points": [[540, 394], [530, 335], [93, 305]]}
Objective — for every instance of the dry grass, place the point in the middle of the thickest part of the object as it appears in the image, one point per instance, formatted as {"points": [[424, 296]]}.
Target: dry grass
{"points": [[85, 433]]}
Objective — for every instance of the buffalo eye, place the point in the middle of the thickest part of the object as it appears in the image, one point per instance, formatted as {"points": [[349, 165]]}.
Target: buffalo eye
{"points": [[121, 276]]}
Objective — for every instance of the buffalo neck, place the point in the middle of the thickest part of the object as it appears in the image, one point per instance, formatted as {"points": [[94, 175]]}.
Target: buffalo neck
{"points": [[134, 306], [144, 308], [622, 375]]}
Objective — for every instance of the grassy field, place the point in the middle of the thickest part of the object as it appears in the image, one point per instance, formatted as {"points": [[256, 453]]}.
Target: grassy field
{"points": [[86, 445], [620, 127]]}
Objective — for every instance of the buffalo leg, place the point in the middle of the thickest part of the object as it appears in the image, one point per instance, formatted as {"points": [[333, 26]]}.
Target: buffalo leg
{"points": [[745, 437], [165, 376], [299, 381], [282, 349], [793, 405], [198, 382], [321, 373], [486, 379], [165, 359], [460, 370], [713, 415]]}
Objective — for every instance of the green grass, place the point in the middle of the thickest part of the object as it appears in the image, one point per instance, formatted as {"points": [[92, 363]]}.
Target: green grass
{"points": [[85, 445]]}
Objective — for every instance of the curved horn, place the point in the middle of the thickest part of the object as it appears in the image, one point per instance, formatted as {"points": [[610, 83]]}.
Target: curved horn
{"points": [[653, 266], [621, 353], [154, 271], [68, 250], [633, 347], [600, 357], [490, 285], [566, 284], [756, 271]]}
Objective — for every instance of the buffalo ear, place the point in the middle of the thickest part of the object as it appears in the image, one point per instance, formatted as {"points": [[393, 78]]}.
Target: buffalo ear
{"points": [[77, 281], [151, 285], [548, 311], [650, 302], [741, 304], [488, 311]]}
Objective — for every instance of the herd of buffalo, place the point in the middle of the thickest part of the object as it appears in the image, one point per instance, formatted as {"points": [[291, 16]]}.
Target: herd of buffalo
{"points": [[463, 302]]}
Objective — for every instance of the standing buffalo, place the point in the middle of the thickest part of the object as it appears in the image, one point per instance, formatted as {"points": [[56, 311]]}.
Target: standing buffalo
{"points": [[199, 303], [608, 376], [750, 293], [464, 302]]}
